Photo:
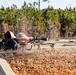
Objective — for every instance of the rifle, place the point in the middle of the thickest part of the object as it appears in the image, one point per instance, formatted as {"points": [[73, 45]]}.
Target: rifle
{"points": [[40, 41]]}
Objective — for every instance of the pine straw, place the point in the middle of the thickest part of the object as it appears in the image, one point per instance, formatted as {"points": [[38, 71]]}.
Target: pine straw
{"points": [[59, 61]]}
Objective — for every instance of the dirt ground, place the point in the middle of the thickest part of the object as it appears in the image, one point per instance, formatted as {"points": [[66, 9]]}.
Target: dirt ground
{"points": [[45, 61]]}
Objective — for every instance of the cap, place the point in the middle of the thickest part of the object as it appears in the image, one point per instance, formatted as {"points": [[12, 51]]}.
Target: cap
{"points": [[21, 35], [9, 34]]}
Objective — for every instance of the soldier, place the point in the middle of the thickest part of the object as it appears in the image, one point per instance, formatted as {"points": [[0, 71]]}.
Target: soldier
{"points": [[8, 40], [12, 42]]}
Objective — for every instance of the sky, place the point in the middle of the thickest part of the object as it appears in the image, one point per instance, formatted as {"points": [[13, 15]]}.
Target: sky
{"points": [[54, 3]]}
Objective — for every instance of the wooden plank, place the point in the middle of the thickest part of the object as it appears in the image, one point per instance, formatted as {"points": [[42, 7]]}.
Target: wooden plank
{"points": [[5, 68]]}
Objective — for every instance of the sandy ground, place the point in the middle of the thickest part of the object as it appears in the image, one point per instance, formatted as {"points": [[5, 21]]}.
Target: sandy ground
{"points": [[60, 60]]}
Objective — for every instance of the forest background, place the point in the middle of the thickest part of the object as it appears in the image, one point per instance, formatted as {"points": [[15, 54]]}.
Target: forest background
{"points": [[47, 22]]}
